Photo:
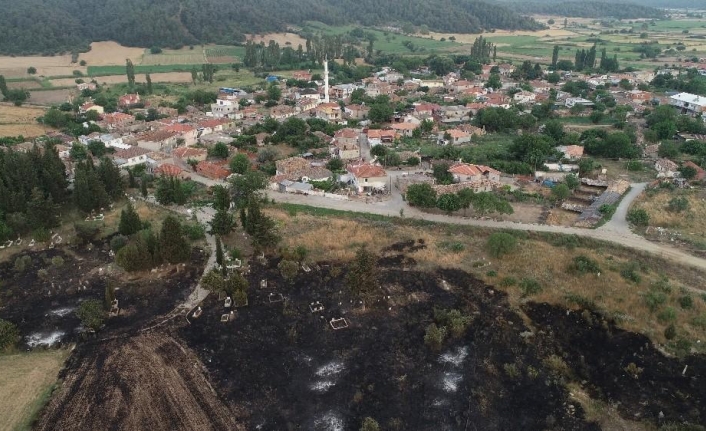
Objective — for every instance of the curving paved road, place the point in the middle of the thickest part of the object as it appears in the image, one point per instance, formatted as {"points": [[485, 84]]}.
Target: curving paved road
{"points": [[616, 231]]}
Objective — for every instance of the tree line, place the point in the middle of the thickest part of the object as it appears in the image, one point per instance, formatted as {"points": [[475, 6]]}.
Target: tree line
{"points": [[588, 9]]}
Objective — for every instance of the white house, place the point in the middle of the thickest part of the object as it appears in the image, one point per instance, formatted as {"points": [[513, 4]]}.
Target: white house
{"points": [[367, 177], [224, 108], [689, 103], [573, 101], [130, 157]]}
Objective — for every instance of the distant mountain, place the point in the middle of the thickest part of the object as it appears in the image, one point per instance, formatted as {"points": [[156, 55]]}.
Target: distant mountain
{"points": [[50, 26], [612, 5], [586, 9]]}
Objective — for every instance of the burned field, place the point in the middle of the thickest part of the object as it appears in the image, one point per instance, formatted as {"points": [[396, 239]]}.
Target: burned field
{"points": [[283, 366], [307, 354]]}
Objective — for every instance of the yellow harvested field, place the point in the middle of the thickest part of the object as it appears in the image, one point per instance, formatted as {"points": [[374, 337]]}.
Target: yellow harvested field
{"points": [[281, 38], [25, 384], [26, 130], [10, 114], [111, 53], [118, 79], [16, 67]]}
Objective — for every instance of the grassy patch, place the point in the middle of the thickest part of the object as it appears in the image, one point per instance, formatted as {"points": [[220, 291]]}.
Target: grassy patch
{"points": [[26, 383], [157, 68]]}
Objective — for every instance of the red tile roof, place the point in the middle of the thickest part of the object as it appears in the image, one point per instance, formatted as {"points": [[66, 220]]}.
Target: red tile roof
{"points": [[367, 171], [212, 170], [180, 128], [185, 153], [130, 153], [168, 170]]}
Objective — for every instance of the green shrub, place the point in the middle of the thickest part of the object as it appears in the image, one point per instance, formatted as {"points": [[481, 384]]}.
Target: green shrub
{"points": [[511, 371], [57, 261], [194, 231], [500, 244], [670, 332], [629, 272], [118, 242], [683, 346], [9, 334], [508, 282], [434, 337], [667, 315], [686, 302], [678, 204], [638, 217], [530, 286], [22, 263], [655, 299], [456, 322], [91, 313], [584, 265], [492, 273]]}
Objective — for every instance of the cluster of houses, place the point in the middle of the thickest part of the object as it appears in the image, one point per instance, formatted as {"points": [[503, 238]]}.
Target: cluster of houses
{"points": [[177, 144]]}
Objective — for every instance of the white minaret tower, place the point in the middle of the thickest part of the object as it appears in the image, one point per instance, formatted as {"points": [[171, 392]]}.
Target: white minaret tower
{"points": [[326, 100]]}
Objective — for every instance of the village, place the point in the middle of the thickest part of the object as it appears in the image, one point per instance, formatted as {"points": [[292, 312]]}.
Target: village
{"points": [[411, 132]]}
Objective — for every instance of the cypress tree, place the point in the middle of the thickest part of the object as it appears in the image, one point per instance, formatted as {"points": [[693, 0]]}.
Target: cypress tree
{"points": [[130, 222], [173, 245]]}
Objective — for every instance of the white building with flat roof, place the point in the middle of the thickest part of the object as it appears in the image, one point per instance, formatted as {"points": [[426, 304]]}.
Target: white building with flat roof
{"points": [[689, 103]]}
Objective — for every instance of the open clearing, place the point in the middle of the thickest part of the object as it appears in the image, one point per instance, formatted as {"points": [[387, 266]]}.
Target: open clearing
{"points": [[26, 380], [108, 53], [50, 97], [22, 120]]}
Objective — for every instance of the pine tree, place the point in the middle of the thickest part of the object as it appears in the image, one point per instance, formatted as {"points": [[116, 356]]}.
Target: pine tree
{"points": [[261, 228], [143, 187], [89, 192], [130, 222], [130, 72], [172, 243], [219, 255], [555, 56], [362, 277], [222, 223], [221, 198], [52, 175], [41, 211], [148, 78]]}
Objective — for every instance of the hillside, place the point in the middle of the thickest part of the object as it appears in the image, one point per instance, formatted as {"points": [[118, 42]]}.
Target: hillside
{"points": [[587, 9], [51, 26]]}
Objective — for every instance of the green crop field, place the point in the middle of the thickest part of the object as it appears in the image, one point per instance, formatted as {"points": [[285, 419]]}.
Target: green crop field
{"points": [[120, 70], [191, 57]]}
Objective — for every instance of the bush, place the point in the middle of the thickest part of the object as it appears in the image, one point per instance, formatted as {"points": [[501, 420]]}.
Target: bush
{"points": [[421, 195], [288, 269], [9, 335], [500, 244], [654, 300], [22, 263], [434, 336], [638, 217], [369, 424], [508, 282], [194, 231], [629, 272], [667, 315], [686, 302], [678, 204], [530, 286], [670, 332], [57, 261], [456, 322], [584, 265], [118, 242], [91, 313], [43, 274]]}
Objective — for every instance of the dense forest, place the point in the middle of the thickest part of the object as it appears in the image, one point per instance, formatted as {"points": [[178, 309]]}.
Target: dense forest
{"points": [[671, 4], [51, 26], [588, 9]]}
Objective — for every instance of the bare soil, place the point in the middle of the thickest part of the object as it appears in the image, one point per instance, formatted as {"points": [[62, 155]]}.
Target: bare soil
{"points": [[118, 79], [49, 97]]}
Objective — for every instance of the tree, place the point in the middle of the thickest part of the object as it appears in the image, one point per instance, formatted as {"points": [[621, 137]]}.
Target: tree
{"points": [[380, 112], [9, 335], [362, 276], [369, 424], [222, 223], [143, 187], [91, 313], [572, 181], [130, 72], [638, 217], [261, 228], [688, 172], [449, 203], [288, 269], [554, 129], [596, 116], [274, 93], [442, 174], [148, 79], [379, 151], [494, 81], [668, 149], [240, 164], [89, 191], [221, 198], [219, 253], [3, 86], [246, 187], [42, 213], [78, 152], [500, 244], [111, 178], [421, 195], [334, 165], [220, 151], [130, 222], [561, 191], [172, 243]]}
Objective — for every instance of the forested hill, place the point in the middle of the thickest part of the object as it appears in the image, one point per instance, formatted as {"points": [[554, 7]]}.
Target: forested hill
{"points": [[50, 26], [587, 9]]}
